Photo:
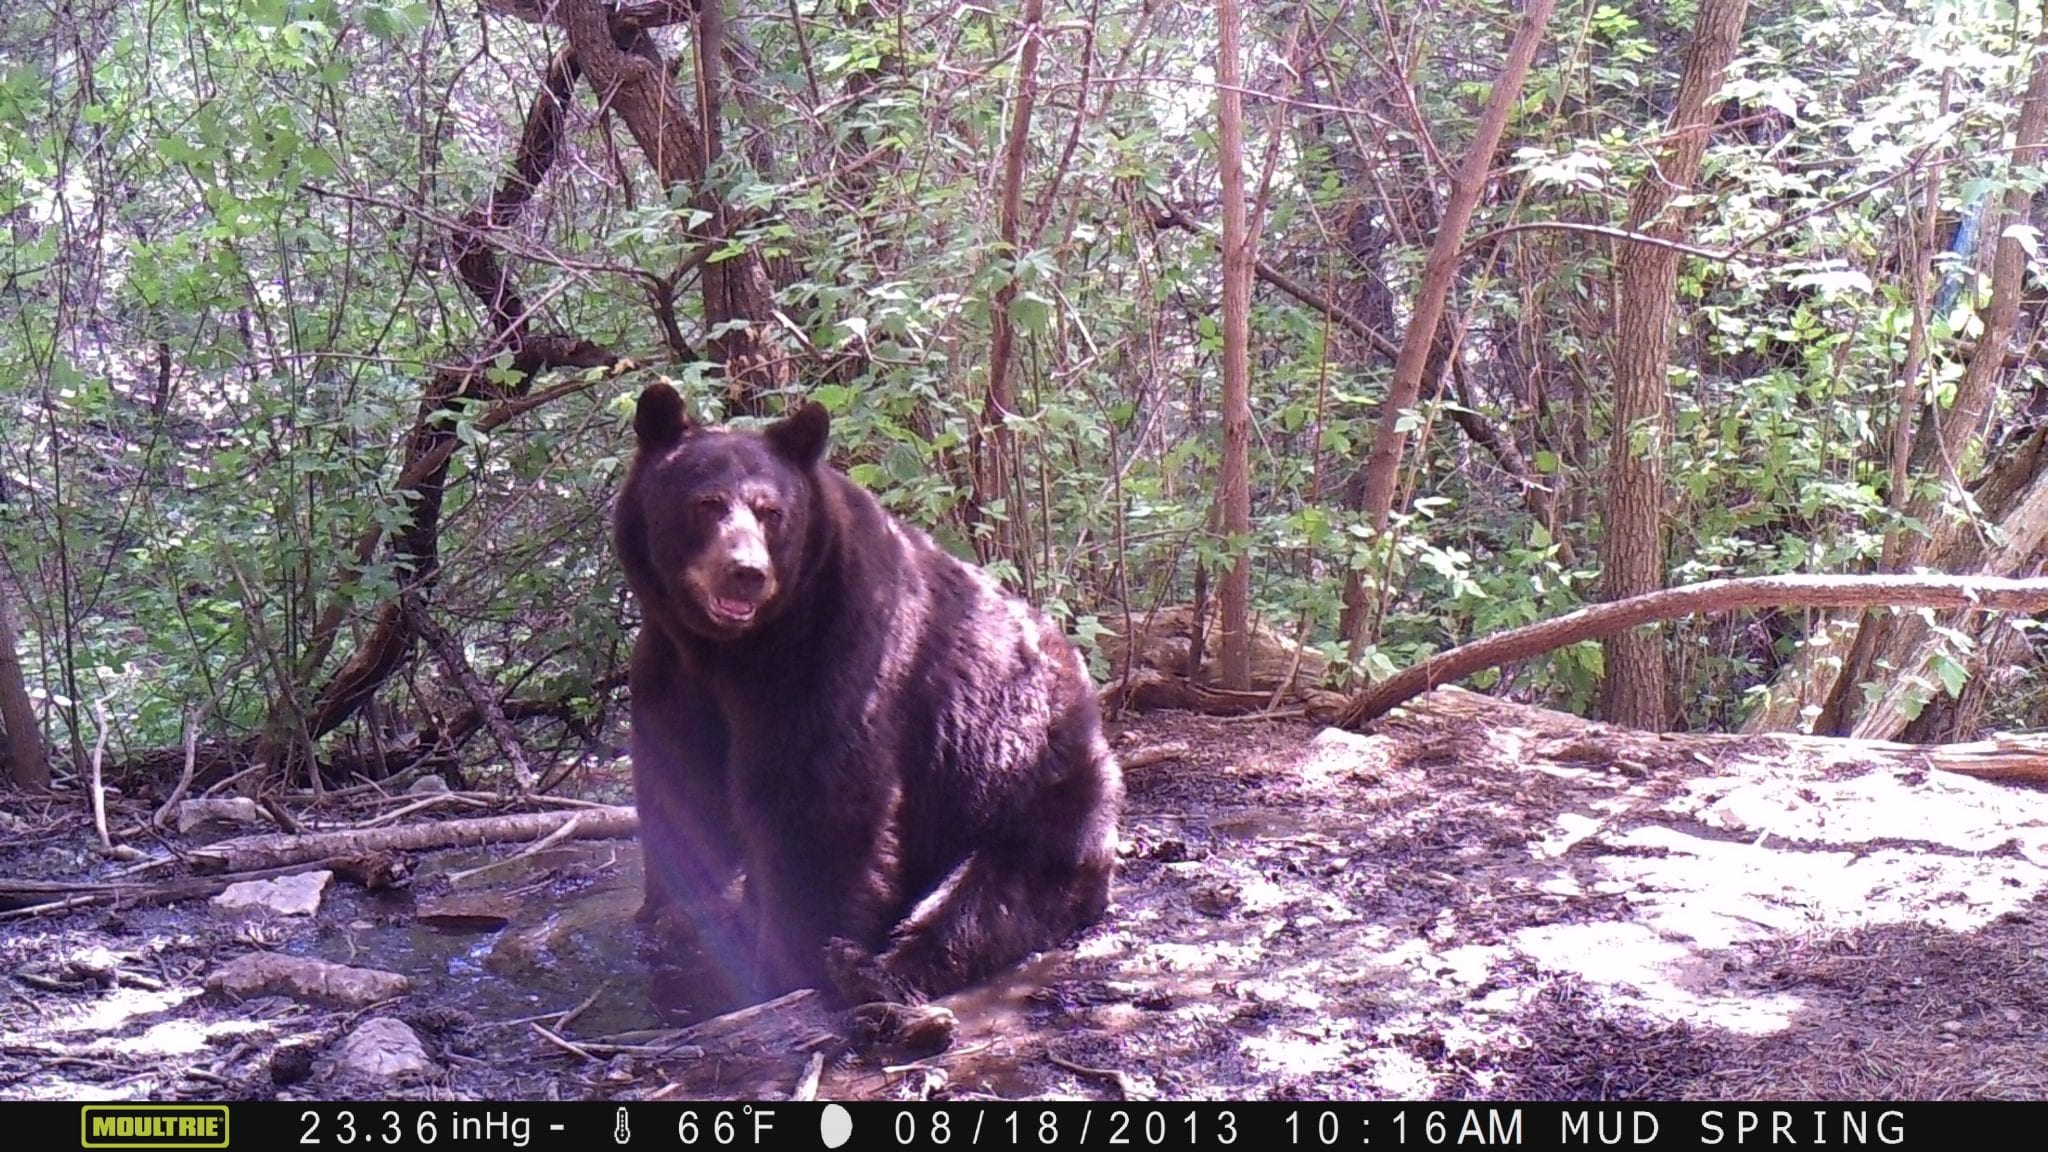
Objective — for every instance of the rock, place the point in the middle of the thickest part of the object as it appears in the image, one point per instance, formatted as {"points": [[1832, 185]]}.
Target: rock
{"points": [[297, 895], [95, 965], [220, 810], [426, 786], [382, 1049], [291, 1064], [481, 911], [310, 981], [1216, 899]]}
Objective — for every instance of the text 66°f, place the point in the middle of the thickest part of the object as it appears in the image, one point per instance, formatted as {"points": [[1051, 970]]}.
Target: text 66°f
{"points": [[746, 1125]]}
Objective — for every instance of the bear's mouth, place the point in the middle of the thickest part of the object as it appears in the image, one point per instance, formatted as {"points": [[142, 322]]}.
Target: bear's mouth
{"points": [[733, 611]]}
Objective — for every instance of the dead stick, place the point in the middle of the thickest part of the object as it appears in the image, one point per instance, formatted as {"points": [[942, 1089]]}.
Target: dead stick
{"points": [[433, 800], [807, 1084], [567, 830], [163, 812], [57, 905], [78, 894], [565, 1045], [449, 649], [1125, 1087], [562, 1022], [99, 792], [1157, 754]]}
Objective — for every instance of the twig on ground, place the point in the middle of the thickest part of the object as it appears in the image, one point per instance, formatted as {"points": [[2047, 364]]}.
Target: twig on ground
{"points": [[567, 830], [807, 1084], [1157, 754], [1125, 1086], [99, 792], [565, 1045]]}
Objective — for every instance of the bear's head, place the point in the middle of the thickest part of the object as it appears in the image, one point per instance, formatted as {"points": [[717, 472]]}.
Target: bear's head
{"points": [[714, 525]]}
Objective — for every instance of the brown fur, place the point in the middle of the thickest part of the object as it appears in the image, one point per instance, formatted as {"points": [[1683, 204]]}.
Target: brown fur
{"points": [[901, 756]]}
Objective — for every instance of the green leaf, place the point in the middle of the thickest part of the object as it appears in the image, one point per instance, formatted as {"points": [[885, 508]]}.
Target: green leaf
{"points": [[1031, 313], [1953, 674]]}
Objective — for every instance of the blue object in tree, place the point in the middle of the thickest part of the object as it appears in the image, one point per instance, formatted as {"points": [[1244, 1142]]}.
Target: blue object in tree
{"points": [[1964, 247]]}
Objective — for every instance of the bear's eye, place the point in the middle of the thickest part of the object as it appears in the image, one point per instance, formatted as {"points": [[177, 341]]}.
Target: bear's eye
{"points": [[711, 505], [769, 515]]}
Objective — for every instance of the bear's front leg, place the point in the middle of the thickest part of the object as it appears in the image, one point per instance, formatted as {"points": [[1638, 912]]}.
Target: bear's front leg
{"points": [[831, 877], [689, 845]]}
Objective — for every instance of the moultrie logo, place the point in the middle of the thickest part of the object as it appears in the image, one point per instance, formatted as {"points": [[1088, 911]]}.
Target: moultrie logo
{"points": [[153, 1125]]}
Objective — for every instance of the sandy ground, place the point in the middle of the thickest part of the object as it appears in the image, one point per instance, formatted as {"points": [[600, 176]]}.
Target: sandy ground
{"points": [[1475, 900]]}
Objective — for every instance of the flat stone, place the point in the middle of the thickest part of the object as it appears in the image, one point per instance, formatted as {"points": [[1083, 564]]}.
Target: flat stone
{"points": [[383, 1050], [306, 980], [218, 810], [95, 965], [297, 895], [479, 911]]}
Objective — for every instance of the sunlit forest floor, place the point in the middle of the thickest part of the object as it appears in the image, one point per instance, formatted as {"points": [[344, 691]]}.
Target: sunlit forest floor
{"points": [[1475, 900]]}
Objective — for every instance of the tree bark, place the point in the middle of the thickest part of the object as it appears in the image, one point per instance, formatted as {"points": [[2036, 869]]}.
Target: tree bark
{"points": [[626, 70], [27, 763], [1634, 692], [1383, 466], [1234, 498]]}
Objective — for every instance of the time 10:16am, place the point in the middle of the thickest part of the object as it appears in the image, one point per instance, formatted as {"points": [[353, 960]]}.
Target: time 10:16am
{"points": [[1490, 1127]]}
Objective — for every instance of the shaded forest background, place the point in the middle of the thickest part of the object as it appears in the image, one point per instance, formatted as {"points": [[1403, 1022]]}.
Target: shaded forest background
{"points": [[320, 323]]}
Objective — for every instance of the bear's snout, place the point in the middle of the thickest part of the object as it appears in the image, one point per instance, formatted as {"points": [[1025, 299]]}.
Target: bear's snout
{"points": [[733, 593], [746, 582], [733, 578]]}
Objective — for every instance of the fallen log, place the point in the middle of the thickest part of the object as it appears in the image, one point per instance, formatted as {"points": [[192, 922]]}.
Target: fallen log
{"points": [[19, 898], [2005, 757], [1981, 593], [277, 850]]}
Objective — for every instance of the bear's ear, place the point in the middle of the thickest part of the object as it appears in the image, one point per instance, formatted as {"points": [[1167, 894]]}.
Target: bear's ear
{"points": [[658, 418], [800, 436]]}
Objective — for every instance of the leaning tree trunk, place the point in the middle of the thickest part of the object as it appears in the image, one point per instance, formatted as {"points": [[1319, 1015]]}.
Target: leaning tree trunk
{"points": [[629, 75], [1948, 445], [1953, 593], [1383, 467], [1913, 646], [1632, 554]]}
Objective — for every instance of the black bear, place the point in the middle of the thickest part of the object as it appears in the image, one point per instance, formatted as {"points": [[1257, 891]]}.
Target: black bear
{"points": [[905, 761]]}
